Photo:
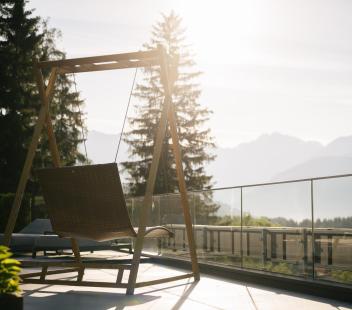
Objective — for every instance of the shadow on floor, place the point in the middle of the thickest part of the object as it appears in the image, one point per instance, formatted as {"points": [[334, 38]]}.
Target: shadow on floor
{"points": [[73, 300], [188, 288], [338, 304], [184, 296]]}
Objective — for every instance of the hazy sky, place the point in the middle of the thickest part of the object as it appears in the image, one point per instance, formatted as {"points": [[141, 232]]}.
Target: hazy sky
{"points": [[269, 65]]}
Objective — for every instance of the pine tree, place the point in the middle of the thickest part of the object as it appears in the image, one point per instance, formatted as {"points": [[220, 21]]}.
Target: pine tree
{"points": [[65, 108], [196, 141], [66, 115], [22, 38], [19, 42]]}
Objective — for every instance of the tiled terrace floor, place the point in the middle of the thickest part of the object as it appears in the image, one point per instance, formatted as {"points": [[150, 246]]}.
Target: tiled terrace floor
{"points": [[208, 293]]}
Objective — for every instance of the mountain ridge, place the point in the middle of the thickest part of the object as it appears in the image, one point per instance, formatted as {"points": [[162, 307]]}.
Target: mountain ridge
{"points": [[269, 157]]}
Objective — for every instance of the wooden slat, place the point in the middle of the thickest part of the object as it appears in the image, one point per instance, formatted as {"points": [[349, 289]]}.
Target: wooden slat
{"points": [[165, 280], [119, 276], [96, 59], [87, 265], [49, 272], [75, 283], [43, 273], [106, 284], [104, 67], [76, 252]]}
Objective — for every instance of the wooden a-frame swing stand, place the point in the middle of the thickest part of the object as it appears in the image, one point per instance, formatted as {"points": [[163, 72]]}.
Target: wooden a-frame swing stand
{"points": [[157, 57]]}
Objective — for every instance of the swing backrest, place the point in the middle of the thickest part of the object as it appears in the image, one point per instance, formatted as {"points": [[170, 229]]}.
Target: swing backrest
{"points": [[86, 202]]}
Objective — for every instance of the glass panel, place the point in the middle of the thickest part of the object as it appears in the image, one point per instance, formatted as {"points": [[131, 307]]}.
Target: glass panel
{"points": [[216, 223], [218, 226], [333, 229], [171, 216], [134, 206], [276, 232]]}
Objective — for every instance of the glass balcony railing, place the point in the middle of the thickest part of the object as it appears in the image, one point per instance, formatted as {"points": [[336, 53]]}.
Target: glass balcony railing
{"points": [[300, 228]]}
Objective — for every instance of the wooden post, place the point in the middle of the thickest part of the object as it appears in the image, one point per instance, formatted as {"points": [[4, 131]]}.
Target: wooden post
{"points": [[284, 248], [30, 154], [184, 239], [329, 249], [181, 180], [219, 241], [264, 245], [167, 114], [211, 233], [148, 197], [317, 248], [205, 238], [305, 250], [273, 244], [232, 241], [45, 97]]}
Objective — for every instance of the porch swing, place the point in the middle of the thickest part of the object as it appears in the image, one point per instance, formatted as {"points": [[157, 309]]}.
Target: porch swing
{"points": [[87, 201], [70, 192]]}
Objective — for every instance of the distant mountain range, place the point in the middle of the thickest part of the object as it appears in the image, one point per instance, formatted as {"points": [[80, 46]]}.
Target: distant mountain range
{"points": [[270, 157], [274, 157]]}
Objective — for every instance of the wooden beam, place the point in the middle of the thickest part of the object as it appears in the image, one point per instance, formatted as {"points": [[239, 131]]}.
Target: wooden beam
{"points": [[148, 197], [29, 160], [119, 276], [49, 272], [165, 280], [87, 265], [43, 273], [179, 168], [102, 284], [52, 141], [46, 98], [75, 283], [45, 95], [134, 56], [104, 67], [183, 192], [76, 252], [49, 90]]}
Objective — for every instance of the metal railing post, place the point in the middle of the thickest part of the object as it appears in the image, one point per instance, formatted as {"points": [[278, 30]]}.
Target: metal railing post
{"points": [[241, 239], [313, 235]]}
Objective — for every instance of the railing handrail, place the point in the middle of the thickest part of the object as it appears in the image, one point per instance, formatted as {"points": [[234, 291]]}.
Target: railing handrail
{"points": [[257, 184], [282, 182]]}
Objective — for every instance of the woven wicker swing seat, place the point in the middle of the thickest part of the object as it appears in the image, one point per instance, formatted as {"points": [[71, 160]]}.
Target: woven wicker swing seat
{"points": [[88, 202]]}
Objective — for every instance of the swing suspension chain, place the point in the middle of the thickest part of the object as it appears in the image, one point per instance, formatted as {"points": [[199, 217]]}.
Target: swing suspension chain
{"points": [[80, 119], [126, 113], [124, 120]]}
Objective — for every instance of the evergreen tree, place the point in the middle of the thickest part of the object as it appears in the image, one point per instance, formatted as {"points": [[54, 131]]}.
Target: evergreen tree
{"points": [[22, 38], [65, 108], [66, 115], [19, 42], [196, 141]]}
